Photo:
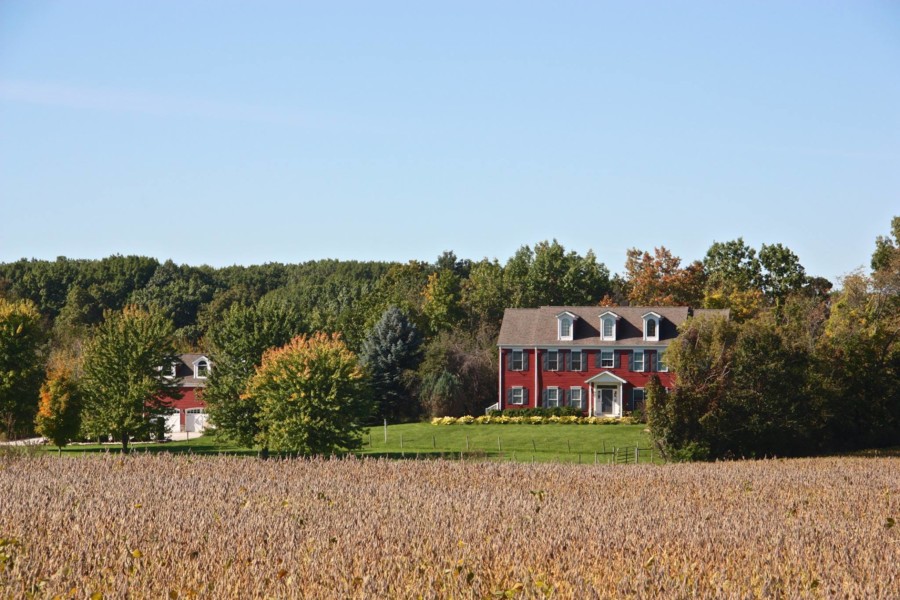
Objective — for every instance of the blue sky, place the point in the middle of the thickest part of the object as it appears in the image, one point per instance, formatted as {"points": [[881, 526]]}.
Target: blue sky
{"points": [[239, 132]]}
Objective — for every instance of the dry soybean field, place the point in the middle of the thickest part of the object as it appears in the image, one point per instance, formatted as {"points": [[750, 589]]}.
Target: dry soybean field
{"points": [[227, 527]]}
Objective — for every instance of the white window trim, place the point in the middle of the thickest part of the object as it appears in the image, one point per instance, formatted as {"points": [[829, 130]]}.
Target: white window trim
{"points": [[197, 374], [615, 318], [634, 355], [553, 351], [651, 316], [612, 354], [512, 360], [575, 388], [521, 390], [569, 317], [555, 389], [661, 365]]}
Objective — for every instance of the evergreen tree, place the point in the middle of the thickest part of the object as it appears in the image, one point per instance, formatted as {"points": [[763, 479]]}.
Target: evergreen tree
{"points": [[391, 352]]}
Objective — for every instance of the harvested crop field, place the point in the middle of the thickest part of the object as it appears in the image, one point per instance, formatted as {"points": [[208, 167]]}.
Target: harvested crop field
{"points": [[186, 527]]}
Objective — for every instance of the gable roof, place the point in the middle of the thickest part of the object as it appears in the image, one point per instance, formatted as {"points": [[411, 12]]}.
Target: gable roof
{"points": [[184, 368], [537, 326]]}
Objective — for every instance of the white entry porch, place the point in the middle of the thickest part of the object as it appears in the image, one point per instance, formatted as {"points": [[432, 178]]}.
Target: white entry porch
{"points": [[605, 395]]}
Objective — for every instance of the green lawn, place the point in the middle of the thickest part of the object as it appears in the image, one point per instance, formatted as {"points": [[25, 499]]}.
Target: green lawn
{"points": [[522, 443]]}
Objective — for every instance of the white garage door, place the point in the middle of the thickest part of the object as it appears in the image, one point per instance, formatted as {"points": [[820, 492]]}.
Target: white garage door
{"points": [[194, 419], [173, 422]]}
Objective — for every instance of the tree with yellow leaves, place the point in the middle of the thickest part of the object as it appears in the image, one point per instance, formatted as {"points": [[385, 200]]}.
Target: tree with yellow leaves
{"points": [[313, 396]]}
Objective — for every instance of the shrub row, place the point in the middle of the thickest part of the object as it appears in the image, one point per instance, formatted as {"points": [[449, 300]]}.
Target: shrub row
{"points": [[533, 420], [558, 411]]}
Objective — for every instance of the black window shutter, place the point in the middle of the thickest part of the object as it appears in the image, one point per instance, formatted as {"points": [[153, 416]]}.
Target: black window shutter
{"points": [[562, 359], [509, 396], [545, 359], [509, 360], [544, 397], [650, 361], [597, 358], [564, 400], [525, 396], [631, 360], [524, 360]]}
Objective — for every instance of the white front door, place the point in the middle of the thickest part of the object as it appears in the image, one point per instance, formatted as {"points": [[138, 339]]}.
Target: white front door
{"points": [[607, 401]]}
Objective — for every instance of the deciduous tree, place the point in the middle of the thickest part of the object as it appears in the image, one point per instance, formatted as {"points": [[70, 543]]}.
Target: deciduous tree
{"points": [[126, 368], [21, 364], [59, 413], [237, 343], [313, 396]]}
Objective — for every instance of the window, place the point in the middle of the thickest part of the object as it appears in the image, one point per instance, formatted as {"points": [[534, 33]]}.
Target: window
{"points": [[606, 359], [576, 360], [201, 371], [637, 363], [661, 365], [518, 396], [552, 395], [608, 325], [565, 328], [637, 399], [552, 360], [651, 326], [576, 399], [517, 360]]}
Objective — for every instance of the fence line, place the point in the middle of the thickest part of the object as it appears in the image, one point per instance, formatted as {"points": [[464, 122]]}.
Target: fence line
{"points": [[615, 455]]}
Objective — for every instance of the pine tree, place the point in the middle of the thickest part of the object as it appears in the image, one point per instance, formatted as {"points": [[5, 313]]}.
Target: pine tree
{"points": [[391, 351]]}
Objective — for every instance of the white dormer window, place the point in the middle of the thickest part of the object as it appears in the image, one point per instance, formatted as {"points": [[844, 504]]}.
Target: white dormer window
{"points": [[201, 368], [651, 326], [566, 325], [608, 326]]}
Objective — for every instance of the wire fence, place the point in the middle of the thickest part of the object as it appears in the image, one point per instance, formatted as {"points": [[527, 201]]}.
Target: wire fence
{"points": [[512, 449]]}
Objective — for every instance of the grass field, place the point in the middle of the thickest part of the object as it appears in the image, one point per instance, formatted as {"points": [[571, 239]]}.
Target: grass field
{"points": [[518, 443], [180, 526], [521, 443]]}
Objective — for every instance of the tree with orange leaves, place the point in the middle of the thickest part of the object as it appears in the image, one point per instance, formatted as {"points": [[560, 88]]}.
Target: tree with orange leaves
{"points": [[659, 279], [59, 411]]}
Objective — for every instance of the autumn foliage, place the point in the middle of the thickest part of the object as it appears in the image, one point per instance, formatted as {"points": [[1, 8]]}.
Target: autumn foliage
{"points": [[312, 394]]}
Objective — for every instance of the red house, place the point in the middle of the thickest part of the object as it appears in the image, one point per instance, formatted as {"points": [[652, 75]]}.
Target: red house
{"points": [[190, 409], [594, 358]]}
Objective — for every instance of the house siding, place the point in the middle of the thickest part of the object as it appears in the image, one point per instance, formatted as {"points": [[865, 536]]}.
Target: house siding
{"points": [[536, 379]]}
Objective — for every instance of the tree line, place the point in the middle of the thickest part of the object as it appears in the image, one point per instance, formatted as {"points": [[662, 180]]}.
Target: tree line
{"points": [[425, 333]]}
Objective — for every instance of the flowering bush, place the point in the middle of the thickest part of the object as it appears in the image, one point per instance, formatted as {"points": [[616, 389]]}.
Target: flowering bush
{"points": [[531, 420]]}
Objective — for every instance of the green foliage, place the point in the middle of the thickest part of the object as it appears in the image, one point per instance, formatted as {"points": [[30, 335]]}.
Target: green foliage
{"points": [[237, 342], [442, 305], [886, 248], [556, 411], [391, 352], [458, 375], [125, 367], [59, 414], [21, 366], [313, 396], [178, 292]]}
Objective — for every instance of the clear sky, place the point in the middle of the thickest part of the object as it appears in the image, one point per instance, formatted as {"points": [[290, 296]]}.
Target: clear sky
{"points": [[249, 132]]}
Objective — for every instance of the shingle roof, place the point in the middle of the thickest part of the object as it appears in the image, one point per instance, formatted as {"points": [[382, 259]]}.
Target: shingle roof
{"points": [[185, 370], [538, 326]]}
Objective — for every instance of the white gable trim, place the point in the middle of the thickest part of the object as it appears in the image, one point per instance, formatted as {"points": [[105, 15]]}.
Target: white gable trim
{"points": [[605, 377]]}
